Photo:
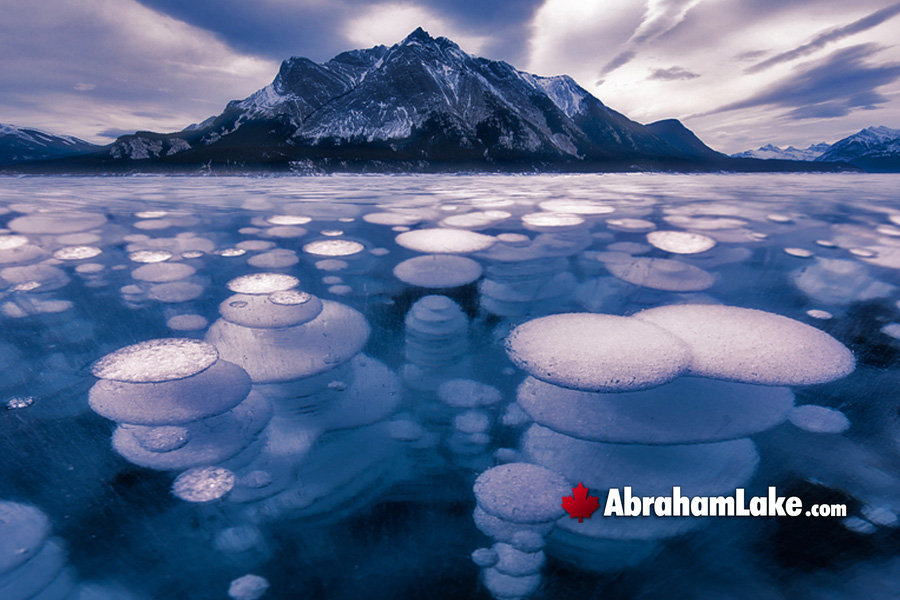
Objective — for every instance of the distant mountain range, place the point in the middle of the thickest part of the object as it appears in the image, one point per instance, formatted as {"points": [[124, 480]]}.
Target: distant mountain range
{"points": [[421, 104], [872, 149], [22, 144]]}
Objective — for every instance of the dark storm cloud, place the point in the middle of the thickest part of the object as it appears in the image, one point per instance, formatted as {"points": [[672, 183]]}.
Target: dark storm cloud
{"points": [[827, 37], [672, 74], [278, 30], [833, 87]]}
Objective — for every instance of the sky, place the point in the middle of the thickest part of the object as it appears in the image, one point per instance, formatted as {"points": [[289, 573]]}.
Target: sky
{"points": [[739, 73]]}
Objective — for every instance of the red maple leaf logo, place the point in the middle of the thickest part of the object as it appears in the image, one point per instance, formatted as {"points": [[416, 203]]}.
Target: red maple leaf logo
{"points": [[579, 505]]}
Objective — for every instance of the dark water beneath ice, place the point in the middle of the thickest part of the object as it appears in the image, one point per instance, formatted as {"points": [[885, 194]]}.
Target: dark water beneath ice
{"points": [[373, 495]]}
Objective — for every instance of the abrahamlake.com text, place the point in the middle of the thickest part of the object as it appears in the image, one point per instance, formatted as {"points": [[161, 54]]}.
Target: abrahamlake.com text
{"points": [[621, 503]]}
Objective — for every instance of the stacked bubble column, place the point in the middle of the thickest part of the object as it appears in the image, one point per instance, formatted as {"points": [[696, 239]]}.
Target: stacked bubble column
{"points": [[178, 406], [331, 401], [32, 563], [527, 276], [612, 406], [517, 505]]}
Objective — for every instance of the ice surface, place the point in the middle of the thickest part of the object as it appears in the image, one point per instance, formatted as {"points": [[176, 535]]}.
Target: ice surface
{"points": [[358, 484]]}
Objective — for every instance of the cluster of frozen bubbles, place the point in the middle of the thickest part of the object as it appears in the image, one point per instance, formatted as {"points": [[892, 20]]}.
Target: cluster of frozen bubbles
{"points": [[530, 344]]}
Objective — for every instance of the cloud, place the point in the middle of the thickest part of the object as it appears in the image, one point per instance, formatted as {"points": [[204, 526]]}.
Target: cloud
{"points": [[316, 29], [672, 74], [833, 87], [389, 23], [142, 68], [660, 17], [828, 37]]}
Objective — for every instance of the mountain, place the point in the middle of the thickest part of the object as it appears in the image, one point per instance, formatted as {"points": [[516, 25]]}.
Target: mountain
{"points": [[20, 144], [423, 99], [769, 152], [872, 149], [421, 104], [673, 132]]}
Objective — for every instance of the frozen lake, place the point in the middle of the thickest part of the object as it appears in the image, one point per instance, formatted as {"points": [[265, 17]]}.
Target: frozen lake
{"points": [[375, 386]]}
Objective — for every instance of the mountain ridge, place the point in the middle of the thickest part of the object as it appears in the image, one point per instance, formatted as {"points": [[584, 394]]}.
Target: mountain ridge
{"points": [[21, 144], [421, 104]]}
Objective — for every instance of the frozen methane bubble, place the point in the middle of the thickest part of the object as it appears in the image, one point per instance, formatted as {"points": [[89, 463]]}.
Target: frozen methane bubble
{"points": [[437, 271], [391, 218], [680, 242], [210, 392], [262, 283], [248, 587], [163, 272], [688, 410], [576, 207], [819, 419], [230, 252], [799, 252], [287, 353], [466, 393], [203, 484], [278, 258], [156, 361], [521, 493], [162, 439], [23, 530], [752, 346], [551, 221], [631, 225], [77, 252], [8, 242], [174, 292], [149, 256], [288, 220], [840, 282], [445, 241], [819, 314], [657, 273], [67, 222], [285, 308], [597, 352], [333, 248]]}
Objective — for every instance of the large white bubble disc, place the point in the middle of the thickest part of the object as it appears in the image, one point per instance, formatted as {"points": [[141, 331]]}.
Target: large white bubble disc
{"points": [[596, 352], [752, 346], [156, 360]]}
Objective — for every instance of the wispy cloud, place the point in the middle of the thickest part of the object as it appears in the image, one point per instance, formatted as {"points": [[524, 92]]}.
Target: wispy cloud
{"points": [[828, 37], [672, 74], [661, 16], [841, 83]]}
